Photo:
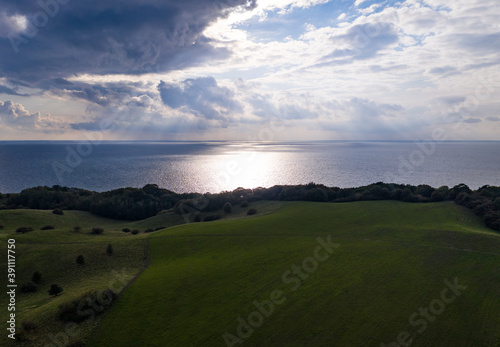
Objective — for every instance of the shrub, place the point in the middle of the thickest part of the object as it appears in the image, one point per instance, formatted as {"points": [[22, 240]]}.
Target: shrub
{"points": [[86, 306], [28, 325], [58, 211], [212, 217], [244, 204], [492, 219], [109, 249], [97, 231], [228, 208], [1, 226], [126, 230], [496, 202], [148, 230], [55, 289], [37, 277], [28, 287], [135, 232], [197, 218], [251, 211], [24, 230], [21, 335], [77, 229], [159, 228], [47, 227], [437, 196], [80, 260]]}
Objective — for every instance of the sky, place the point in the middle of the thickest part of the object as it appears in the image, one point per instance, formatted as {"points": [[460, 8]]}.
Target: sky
{"points": [[283, 70]]}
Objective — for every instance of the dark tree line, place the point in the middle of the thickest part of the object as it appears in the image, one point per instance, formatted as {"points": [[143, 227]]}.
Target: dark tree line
{"points": [[140, 203]]}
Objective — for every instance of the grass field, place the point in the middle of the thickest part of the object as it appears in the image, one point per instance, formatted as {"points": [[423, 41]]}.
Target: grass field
{"points": [[426, 274], [53, 253]]}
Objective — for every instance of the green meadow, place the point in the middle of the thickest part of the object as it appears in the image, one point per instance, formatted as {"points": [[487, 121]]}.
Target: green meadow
{"points": [[381, 273], [205, 280]]}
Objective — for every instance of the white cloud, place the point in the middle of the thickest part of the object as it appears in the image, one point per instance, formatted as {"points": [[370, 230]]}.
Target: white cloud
{"points": [[12, 24], [369, 9], [391, 73], [15, 116], [359, 2]]}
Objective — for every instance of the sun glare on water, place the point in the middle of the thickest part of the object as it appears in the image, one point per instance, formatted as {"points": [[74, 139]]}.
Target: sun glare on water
{"points": [[245, 167]]}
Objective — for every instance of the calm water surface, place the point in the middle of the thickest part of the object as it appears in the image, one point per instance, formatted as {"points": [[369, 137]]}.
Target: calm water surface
{"points": [[213, 167]]}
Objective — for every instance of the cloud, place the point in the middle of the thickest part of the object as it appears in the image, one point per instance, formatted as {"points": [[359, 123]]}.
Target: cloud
{"points": [[129, 37], [361, 42], [202, 97], [493, 119], [442, 70], [369, 9], [10, 24], [15, 115], [359, 2], [10, 91], [472, 120]]}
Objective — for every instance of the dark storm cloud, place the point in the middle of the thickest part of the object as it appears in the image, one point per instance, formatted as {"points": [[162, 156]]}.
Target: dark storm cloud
{"points": [[10, 91], [100, 37], [200, 96], [101, 94]]}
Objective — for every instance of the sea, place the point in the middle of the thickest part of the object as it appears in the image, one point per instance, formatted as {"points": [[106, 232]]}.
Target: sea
{"points": [[222, 166]]}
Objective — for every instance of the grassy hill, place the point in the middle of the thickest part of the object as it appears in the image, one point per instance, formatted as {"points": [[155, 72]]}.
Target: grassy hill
{"points": [[53, 253], [426, 274]]}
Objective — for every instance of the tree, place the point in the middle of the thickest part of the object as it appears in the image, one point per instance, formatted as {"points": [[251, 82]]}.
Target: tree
{"points": [[437, 196], [80, 260], [28, 325], [97, 231], [37, 277], [109, 250], [55, 289], [251, 211], [23, 230], [228, 207]]}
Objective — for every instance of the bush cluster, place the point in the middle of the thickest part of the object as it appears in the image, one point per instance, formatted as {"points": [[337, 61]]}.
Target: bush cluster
{"points": [[251, 211], [88, 305], [212, 217], [140, 203], [23, 230], [97, 231]]}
